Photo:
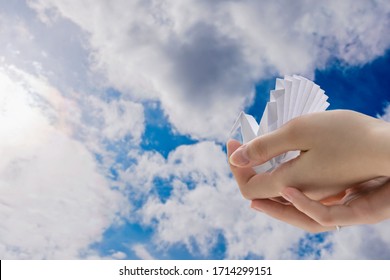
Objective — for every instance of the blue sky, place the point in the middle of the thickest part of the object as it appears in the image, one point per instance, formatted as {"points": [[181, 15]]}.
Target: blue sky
{"points": [[114, 117]]}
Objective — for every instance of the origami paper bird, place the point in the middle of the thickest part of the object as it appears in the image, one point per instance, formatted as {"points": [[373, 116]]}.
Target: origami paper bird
{"points": [[293, 96]]}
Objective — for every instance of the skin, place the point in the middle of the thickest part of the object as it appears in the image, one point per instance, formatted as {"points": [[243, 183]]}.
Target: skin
{"points": [[343, 155]]}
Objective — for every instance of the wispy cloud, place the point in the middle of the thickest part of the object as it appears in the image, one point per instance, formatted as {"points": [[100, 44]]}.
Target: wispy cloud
{"points": [[141, 252]]}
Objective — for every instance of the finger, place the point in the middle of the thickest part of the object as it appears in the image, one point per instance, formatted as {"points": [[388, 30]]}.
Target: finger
{"points": [[232, 145], [251, 184], [281, 200], [329, 216], [373, 205], [264, 148], [242, 175], [288, 214], [334, 199]]}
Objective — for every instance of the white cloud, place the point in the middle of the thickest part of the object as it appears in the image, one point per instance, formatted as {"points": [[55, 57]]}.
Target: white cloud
{"points": [[53, 201], [43, 169], [118, 255], [205, 202], [360, 242], [115, 119], [200, 58], [386, 113], [53, 50], [141, 252], [141, 174]]}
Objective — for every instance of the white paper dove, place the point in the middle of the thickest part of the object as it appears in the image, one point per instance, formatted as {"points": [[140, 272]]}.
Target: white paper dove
{"points": [[293, 96]]}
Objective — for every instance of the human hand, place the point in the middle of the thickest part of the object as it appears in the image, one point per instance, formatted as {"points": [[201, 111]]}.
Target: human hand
{"points": [[366, 203], [338, 149]]}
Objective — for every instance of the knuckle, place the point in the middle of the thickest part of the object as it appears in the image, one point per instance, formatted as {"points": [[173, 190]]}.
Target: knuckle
{"points": [[246, 193], [295, 128], [294, 124]]}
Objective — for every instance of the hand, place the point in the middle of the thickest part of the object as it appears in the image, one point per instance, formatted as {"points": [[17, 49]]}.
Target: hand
{"points": [[338, 149], [366, 203]]}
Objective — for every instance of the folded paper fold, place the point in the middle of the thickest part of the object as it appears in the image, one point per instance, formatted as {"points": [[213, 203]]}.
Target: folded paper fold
{"points": [[293, 96]]}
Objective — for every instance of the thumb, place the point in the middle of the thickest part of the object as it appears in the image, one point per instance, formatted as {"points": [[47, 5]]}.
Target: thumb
{"points": [[263, 148]]}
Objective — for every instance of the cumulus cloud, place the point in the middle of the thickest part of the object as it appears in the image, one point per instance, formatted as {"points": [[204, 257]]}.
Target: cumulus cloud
{"points": [[52, 126], [360, 242], [201, 58], [203, 203], [53, 201], [115, 119]]}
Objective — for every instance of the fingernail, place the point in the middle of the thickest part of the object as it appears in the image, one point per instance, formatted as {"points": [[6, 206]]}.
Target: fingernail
{"points": [[257, 208], [239, 157]]}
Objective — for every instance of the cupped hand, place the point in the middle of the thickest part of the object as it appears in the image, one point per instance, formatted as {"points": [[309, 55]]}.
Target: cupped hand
{"points": [[366, 203], [338, 149]]}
